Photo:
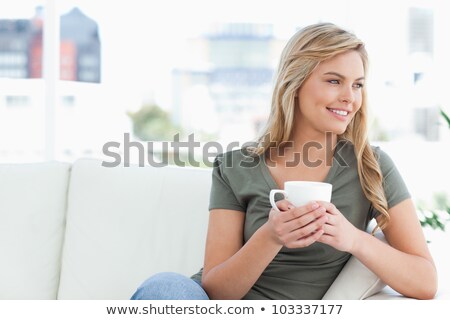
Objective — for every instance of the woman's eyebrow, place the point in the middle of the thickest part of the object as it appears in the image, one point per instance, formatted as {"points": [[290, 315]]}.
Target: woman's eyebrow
{"points": [[340, 75]]}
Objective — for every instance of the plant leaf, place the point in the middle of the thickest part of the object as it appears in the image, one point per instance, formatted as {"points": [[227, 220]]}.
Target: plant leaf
{"points": [[446, 117]]}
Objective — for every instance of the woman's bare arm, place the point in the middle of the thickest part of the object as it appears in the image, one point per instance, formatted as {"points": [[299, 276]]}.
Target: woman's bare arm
{"points": [[231, 267], [406, 263]]}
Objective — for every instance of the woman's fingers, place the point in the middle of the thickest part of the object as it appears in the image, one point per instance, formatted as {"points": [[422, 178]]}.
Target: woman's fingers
{"points": [[297, 212], [284, 205], [306, 231], [329, 229], [306, 241], [326, 239], [305, 219], [331, 208], [298, 226]]}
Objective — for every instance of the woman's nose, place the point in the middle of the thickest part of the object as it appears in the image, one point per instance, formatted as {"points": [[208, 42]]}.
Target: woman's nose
{"points": [[347, 95]]}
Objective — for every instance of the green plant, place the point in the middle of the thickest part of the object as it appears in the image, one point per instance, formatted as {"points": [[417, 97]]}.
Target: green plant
{"points": [[152, 123], [438, 216], [446, 117]]}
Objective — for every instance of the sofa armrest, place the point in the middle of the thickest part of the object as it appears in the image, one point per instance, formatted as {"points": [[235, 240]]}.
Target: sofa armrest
{"points": [[387, 293]]}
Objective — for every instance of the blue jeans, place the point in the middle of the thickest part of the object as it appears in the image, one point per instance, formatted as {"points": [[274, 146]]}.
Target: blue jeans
{"points": [[170, 286]]}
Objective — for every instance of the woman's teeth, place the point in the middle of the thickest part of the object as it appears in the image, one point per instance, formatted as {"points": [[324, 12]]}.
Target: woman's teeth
{"points": [[339, 112]]}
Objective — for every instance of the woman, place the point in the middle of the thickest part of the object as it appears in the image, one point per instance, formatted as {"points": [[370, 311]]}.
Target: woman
{"points": [[318, 110]]}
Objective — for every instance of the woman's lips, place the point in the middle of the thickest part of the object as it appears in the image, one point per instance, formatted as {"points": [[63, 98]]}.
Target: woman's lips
{"points": [[339, 114]]}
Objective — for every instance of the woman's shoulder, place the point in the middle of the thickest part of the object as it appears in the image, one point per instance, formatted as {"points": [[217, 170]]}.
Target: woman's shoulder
{"points": [[385, 161], [347, 147], [381, 155], [376, 150], [344, 153]]}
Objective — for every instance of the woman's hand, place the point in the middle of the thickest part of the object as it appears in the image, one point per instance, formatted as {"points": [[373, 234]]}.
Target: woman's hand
{"points": [[338, 231], [297, 227]]}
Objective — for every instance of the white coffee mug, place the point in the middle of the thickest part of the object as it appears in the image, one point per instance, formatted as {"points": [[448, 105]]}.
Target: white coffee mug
{"points": [[300, 193]]}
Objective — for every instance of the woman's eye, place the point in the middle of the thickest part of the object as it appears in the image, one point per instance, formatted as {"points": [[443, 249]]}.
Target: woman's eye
{"points": [[359, 85], [333, 81]]}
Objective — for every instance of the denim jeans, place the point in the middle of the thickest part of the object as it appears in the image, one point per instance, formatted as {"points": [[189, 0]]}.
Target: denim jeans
{"points": [[170, 286]]}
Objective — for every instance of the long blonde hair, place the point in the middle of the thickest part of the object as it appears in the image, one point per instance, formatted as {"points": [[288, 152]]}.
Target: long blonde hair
{"points": [[302, 54]]}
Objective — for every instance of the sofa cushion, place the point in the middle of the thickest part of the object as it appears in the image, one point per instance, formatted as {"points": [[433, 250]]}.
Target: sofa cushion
{"points": [[356, 281], [126, 223], [32, 215]]}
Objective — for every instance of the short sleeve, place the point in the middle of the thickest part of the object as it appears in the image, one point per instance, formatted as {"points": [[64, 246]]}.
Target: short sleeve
{"points": [[395, 188], [222, 195]]}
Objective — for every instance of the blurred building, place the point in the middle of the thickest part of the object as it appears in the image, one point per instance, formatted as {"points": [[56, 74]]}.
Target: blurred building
{"points": [[23, 115], [421, 52], [21, 47], [232, 76], [228, 80], [15, 37], [80, 47]]}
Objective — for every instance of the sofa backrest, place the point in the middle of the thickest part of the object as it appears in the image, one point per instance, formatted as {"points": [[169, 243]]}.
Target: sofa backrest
{"points": [[126, 223], [32, 222]]}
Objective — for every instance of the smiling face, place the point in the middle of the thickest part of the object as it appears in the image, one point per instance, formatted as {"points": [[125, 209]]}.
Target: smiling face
{"points": [[331, 95]]}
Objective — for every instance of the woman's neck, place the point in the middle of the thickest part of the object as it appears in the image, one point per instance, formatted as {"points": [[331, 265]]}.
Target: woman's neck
{"points": [[316, 140], [312, 147]]}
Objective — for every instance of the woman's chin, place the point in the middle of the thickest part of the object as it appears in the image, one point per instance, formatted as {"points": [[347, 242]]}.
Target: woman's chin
{"points": [[336, 130]]}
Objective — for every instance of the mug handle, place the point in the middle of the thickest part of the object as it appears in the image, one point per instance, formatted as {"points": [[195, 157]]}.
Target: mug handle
{"points": [[272, 197]]}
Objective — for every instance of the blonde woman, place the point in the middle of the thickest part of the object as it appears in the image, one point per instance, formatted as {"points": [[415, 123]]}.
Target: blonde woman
{"points": [[255, 252]]}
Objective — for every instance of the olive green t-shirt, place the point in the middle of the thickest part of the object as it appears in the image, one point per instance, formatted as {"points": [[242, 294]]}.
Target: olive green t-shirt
{"points": [[242, 182]]}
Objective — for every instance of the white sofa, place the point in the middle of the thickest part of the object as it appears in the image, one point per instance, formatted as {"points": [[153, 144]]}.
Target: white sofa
{"points": [[84, 231]]}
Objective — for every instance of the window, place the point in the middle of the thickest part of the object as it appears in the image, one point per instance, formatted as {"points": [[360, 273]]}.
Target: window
{"points": [[149, 73], [68, 101], [17, 101]]}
